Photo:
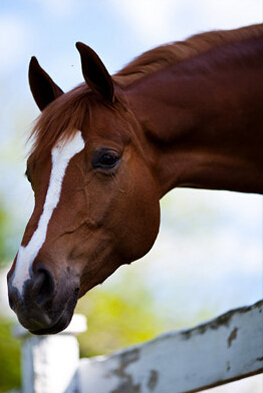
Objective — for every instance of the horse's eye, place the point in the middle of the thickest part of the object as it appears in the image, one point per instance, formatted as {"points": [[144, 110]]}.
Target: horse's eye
{"points": [[108, 160], [105, 159]]}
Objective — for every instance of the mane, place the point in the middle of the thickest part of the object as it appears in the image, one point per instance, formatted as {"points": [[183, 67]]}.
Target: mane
{"points": [[165, 55], [64, 116], [67, 113]]}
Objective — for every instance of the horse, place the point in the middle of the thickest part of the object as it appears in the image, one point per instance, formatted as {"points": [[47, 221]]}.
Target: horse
{"points": [[185, 114]]}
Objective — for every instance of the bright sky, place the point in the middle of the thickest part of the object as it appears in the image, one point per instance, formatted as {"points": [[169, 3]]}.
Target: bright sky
{"points": [[218, 261]]}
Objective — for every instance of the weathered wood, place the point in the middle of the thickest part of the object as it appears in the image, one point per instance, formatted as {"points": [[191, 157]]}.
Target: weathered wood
{"points": [[225, 349]]}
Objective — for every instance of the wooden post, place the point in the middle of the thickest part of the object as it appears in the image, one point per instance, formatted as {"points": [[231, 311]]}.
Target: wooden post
{"points": [[49, 363]]}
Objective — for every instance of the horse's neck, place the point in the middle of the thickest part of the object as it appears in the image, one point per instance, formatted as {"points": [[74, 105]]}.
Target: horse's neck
{"points": [[203, 122]]}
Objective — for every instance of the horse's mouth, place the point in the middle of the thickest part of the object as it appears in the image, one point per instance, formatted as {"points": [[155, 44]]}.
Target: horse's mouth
{"points": [[60, 325], [41, 322], [64, 319]]}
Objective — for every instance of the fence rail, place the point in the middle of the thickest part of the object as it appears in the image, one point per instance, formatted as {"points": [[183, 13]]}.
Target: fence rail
{"points": [[224, 349]]}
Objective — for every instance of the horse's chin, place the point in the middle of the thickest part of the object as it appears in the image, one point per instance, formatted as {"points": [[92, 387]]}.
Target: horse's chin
{"points": [[58, 327]]}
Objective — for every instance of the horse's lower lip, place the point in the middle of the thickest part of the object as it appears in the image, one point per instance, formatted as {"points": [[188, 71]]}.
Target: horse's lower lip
{"points": [[57, 327], [60, 325]]}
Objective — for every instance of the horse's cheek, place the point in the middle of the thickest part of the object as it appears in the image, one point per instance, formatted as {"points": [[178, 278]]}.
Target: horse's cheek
{"points": [[142, 222]]}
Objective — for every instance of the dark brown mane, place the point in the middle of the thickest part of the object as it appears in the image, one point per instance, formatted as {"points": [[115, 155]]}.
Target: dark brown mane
{"points": [[66, 114], [165, 55]]}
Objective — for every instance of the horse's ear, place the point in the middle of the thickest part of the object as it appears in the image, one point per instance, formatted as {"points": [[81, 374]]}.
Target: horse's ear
{"points": [[43, 88], [95, 73]]}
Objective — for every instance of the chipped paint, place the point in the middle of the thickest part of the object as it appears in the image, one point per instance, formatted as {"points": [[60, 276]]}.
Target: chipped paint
{"points": [[222, 320], [126, 379], [232, 337], [227, 348], [153, 379]]}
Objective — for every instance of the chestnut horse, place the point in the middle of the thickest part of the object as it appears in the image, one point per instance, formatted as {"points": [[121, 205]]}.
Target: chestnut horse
{"points": [[187, 114]]}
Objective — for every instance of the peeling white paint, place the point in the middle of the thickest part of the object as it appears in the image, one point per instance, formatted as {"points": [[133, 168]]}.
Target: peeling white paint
{"points": [[227, 348]]}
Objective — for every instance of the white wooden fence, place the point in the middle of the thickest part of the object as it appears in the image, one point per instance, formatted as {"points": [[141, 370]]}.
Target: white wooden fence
{"points": [[225, 349]]}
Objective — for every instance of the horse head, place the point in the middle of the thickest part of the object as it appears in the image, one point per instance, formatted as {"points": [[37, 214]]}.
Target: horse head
{"points": [[96, 197]]}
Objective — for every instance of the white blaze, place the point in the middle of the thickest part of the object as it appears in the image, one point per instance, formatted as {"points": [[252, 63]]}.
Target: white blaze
{"points": [[61, 154]]}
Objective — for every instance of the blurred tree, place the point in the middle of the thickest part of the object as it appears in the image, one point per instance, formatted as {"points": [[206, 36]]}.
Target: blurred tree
{"points": [[117, 319], [5, 234], [9, 358], [9, 347]]}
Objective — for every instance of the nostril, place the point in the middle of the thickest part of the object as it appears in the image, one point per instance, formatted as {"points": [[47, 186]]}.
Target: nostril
{"points": [[43, 287]]}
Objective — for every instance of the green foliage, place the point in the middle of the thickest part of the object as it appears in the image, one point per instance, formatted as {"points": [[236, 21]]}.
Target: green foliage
{"points": [[4, 232], [9, 347], [117, 320], [9, 358]]}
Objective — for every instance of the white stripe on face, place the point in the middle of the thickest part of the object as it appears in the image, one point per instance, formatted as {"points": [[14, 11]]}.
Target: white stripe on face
{"points": [[61, 154]]}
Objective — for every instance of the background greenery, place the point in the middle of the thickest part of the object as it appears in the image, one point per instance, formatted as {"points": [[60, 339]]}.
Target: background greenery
{"points": [[9, 347]]}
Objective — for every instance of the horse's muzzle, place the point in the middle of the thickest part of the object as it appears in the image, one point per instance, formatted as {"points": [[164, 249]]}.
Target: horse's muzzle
{"points": [[44, 306]]}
